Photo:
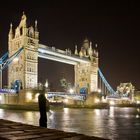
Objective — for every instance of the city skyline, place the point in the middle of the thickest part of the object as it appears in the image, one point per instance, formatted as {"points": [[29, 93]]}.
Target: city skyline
{"points": [[114, 27]]}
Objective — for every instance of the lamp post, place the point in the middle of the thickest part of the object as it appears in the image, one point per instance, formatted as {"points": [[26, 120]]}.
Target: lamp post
{"points": [[71, 90], [99, 92], [46, 84]]}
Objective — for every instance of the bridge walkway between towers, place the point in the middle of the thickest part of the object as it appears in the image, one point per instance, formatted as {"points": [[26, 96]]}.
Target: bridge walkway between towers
{"points": [[14, 131], [67, 95]]}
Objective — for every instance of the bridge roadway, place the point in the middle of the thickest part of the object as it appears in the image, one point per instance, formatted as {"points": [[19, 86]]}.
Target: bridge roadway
{"points": [[17, 131], [52, 53]]}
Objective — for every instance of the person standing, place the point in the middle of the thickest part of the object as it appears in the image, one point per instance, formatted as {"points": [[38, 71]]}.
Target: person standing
{"points": [[43, 107]]}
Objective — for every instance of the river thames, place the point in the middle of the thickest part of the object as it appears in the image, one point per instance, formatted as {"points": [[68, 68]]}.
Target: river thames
{"points": [[114, 123]]}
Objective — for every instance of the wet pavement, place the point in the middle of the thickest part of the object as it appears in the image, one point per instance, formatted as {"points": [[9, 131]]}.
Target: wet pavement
{"points": [[115, 123], [17, 131]]}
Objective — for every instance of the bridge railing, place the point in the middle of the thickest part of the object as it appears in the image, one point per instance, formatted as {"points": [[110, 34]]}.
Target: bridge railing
{"points": [[7, 91]]}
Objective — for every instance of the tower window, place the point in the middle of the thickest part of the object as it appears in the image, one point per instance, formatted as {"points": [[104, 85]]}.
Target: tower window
{"points": [[16, 69], [83, 79]]}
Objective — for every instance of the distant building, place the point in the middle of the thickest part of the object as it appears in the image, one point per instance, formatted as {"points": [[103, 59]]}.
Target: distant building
{"points": [[126, 90], [137, 96]]}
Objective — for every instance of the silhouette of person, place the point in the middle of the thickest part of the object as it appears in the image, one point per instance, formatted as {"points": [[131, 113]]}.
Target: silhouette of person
{"points": [[42, 101]]}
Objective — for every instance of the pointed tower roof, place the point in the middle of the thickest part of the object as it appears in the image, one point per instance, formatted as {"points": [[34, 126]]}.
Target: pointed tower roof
{"points": [[90, 45], [11, 29], [23, 16], [86, 43], [23, 21], [36, 29], [90, 50], [96, 45], [11, 32], [86, 40], [76, 51]]}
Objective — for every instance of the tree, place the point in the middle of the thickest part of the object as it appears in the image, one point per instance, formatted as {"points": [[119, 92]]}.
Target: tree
{"points": [[64, 83]]}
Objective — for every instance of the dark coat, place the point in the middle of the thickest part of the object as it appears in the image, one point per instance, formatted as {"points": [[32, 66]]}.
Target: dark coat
{"points": [[42, 103], [42, 109]]}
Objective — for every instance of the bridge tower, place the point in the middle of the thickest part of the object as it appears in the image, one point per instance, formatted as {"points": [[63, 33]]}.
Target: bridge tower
{"points": [[23, 71], [86, 75]]}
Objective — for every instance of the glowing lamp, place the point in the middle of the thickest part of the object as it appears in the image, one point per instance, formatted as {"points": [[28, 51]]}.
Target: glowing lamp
{"points": [[29, 96]]}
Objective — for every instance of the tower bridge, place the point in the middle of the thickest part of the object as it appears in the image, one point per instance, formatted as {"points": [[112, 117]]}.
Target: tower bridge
{"points": [[25, 70], [23, 73]]}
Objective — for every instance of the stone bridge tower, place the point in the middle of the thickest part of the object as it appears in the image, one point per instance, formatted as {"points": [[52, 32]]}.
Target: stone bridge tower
{"points": [[86, 74], [23, 71]]}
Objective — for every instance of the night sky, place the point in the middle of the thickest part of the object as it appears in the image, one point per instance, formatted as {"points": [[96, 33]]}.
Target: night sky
{"points": [[113, 25]]}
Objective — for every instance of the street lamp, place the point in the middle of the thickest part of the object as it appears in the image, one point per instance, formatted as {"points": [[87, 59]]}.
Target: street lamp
{"points": [[71, 90], [99, 90], [16, 59], [46, 84]]}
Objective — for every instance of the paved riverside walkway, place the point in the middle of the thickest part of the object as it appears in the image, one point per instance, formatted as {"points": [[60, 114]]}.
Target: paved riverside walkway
{"points": [[17, 131]]}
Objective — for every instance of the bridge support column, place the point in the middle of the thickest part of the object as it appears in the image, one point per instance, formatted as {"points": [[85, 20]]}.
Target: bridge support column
{"points": [[23, 72], [86, 75]]}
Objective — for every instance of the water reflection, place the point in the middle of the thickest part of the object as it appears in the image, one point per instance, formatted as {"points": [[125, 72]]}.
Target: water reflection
{"points": [[138, 109], [111, 111], [1, 112], [31, 117], [66, 110], [97, 112], [114, 123]]}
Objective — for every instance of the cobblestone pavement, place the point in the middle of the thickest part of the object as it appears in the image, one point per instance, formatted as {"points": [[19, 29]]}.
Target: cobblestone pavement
{"points": [[17, 131]]}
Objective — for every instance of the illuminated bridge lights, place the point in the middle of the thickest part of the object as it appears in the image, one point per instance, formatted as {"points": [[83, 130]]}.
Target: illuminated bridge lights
{"points": [[7, 91], [50, 53], [46, 56], [67, 95]]}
